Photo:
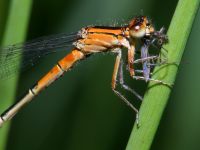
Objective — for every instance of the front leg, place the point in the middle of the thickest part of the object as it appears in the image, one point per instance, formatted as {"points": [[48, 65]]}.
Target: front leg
{"points": [[148, 74], [130, 45], [131, 56], [146, 68]]}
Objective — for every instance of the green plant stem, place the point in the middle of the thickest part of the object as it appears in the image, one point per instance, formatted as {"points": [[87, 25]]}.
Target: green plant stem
{"points": [[15, 31], [156, 97]]}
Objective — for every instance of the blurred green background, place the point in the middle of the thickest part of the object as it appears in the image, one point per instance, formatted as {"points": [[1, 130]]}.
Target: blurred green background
{"points": [[80, 111]]}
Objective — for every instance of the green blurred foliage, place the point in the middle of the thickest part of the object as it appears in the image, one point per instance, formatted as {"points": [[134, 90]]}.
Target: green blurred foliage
{"points": [[3, 13], [16, 23], [80, 111]]}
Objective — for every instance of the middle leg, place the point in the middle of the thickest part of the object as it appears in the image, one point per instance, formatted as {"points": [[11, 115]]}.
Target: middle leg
{"points": [[114, 78], [125, 86]]}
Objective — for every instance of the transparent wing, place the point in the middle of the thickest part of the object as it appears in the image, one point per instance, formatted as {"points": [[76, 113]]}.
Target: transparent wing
{"points": [[31, 51]]}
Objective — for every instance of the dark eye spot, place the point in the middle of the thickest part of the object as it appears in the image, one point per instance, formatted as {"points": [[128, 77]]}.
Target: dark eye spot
{"points": [[136, 23]]}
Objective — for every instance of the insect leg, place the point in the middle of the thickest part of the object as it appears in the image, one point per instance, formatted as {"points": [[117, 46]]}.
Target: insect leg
{"points": [[114, 77], [141, 71], [151, 79], [123, 85], [149, 64], [140, 60]]}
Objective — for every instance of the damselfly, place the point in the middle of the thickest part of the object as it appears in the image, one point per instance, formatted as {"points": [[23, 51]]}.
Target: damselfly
{"points": [[87, 41]]}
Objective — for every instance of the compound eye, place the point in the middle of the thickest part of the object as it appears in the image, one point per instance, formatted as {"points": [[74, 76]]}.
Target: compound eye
{"points": [[148, 24]]}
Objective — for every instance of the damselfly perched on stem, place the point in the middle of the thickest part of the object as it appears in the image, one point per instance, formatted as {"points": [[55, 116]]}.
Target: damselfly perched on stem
{"points": [[87, 41]]}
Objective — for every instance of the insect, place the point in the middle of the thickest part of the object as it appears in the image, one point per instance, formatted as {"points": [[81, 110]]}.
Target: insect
{"points": [[89, 40]]}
